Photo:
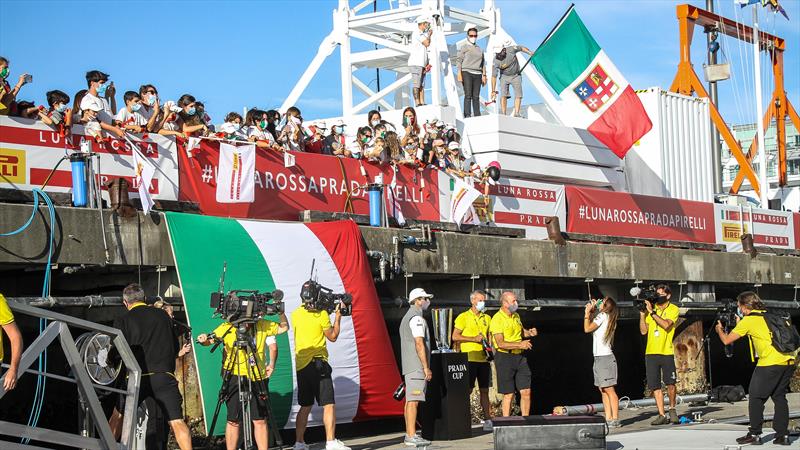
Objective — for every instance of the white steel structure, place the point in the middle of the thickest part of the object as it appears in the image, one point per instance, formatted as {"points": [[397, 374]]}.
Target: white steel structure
{"points": [[387, 33]]}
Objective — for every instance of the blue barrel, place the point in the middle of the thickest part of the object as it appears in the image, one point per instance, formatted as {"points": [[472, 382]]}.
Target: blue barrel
{"points": [[375, 204], [78, 162]]}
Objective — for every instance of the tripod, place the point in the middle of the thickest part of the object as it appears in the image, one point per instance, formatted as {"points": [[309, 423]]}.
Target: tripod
{"points": [[245, 350]]}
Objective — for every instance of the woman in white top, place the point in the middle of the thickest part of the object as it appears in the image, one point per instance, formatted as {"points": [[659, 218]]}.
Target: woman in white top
{"points": [[600, 319]]}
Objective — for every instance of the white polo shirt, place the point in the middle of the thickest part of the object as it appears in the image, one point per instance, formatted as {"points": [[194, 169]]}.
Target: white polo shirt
{"points": [[419, 53]]}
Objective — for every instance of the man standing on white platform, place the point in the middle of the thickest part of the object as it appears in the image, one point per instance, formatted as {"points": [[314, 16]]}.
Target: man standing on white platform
{"points": [[418, 58], [507, 68], [415, 351]]}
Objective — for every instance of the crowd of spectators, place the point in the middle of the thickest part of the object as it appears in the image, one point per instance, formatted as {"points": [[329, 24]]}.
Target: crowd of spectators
{"points": [[419, 145]]}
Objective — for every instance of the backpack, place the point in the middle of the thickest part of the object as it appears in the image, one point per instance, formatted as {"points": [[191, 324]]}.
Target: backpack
{"points": [[785, 337], [727, 394]]}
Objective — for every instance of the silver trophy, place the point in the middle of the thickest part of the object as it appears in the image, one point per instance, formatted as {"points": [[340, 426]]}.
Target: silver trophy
{"points": [[443, 329]]}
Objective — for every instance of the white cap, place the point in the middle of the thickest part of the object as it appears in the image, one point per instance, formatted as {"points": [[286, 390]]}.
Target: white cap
{"points": [[453, 145], [418, 293], [508, 43], [319, 124], [423, 19]]}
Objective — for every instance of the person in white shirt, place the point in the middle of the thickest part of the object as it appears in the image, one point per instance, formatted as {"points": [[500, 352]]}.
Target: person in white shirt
{"points": [[258, 131], [151, 107], [600, 319], [130, 118], [418, 57], [292, 136], [100, 99]]}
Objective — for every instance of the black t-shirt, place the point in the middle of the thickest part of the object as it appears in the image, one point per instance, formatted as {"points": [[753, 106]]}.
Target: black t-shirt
{"points": [[152, 338]]}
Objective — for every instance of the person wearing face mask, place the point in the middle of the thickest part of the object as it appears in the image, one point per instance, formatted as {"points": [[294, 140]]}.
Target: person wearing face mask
{"points": [[361, 146], [600, 319], [506, 66], [129, 118], [415, 352], [470, 332], [772, 374], [471, 73], [373, 119], [258, 132], [334, 143], [292, 136], [658, 324], [273, 121], [418, 57], [59, 115], [8, 95], [510, 361], [232, 128], [410, 125], [191, 123], [100, 99], [151, 108]]}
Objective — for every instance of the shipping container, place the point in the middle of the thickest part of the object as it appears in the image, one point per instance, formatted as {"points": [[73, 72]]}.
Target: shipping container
{"points": [[675, 158]]}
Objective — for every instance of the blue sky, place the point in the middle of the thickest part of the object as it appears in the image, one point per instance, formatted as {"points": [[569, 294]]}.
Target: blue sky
{"points": [[246, 53]]}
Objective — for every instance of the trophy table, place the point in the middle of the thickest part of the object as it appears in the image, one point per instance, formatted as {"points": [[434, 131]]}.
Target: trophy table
{"points": [[446, 411]]}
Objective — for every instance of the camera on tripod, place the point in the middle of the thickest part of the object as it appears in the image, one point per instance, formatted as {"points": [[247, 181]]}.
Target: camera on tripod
{"points": [[320, 298], [247, 305], [640, 295]]}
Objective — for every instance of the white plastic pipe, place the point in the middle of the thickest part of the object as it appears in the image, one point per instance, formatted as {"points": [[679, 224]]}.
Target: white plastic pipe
{"points": [[579, 410]]}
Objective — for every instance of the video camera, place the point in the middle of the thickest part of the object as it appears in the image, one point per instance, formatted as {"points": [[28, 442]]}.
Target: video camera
{"points": [[727, 316], [640, 295], [320, 298], [245, 305]]}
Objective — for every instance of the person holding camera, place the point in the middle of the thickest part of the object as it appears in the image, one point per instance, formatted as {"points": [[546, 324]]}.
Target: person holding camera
{"points": [[510, 361], [772, 374], [151, 337], [600, 319], [470, 332], [657, 322], [243, 367], [312, 327], [415, 352]]}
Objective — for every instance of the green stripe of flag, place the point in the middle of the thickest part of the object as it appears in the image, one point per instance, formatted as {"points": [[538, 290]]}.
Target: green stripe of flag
{"points": [[201, 245], [566, 53]]}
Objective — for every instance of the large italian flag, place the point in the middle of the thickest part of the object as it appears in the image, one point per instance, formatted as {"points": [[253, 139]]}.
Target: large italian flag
{"points": [[270, 255], [594, 93]]}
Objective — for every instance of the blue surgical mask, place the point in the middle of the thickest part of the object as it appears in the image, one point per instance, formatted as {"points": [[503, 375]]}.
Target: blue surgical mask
{"points": [[136, 106], [481, 306], [512, 308], [151, 101], [61, 108], [375, 123], [191, 111], [101, 90], [739, 312]]}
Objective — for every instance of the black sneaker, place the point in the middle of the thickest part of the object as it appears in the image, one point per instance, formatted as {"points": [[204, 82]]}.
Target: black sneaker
{"points": [[660, 420], [781, 440], [749, 438]]}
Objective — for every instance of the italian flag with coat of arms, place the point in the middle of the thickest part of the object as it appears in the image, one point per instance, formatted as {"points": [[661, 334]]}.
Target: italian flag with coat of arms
{"points": [[594, 94]]}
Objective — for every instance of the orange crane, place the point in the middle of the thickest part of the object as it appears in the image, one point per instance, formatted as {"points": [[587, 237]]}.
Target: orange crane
{"points": [[687, 82]]}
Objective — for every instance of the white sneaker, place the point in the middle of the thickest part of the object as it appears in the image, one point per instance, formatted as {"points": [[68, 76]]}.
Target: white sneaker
{"points": [[300, 446], [336, 445]]}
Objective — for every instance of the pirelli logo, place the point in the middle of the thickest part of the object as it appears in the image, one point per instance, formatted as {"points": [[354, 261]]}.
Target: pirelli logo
{"points": [[12, 166], [731, 232]]}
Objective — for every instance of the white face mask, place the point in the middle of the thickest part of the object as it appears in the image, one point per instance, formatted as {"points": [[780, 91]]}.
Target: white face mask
{"points": [[425, 304], [512, 308], [472, 40], [481, 306], [296, 120], [375, 123]]}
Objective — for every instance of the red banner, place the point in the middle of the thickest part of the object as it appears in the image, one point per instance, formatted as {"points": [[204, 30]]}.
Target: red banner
{"points": [[316, 182], [797, 230], [594, 211]]}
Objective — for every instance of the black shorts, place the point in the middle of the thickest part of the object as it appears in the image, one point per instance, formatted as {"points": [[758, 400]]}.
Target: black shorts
{"points": [[314, 382], [659, 368], [482, 372], [513, 373], [258, 399], [163, 388]]}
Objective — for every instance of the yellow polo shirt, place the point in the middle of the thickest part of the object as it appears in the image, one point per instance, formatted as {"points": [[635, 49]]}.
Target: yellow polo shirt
{"points": [[472, 325], [509, 326], [756, 327], [659, 340], [242, 365], [309, 336], [6, 317]]}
